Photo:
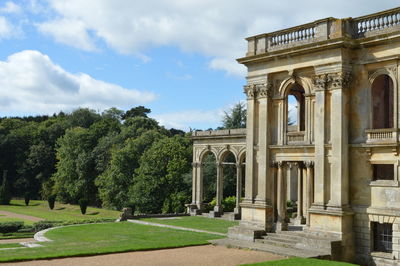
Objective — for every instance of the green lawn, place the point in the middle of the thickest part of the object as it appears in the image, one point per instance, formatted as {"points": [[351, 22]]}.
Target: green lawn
{"points": [[300, 261], [10, 245], [202, 223], [91, 239], [61, 212], [4, 219]]}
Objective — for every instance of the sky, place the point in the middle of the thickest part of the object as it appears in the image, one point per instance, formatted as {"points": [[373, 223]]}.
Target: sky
{"points": [[176, 57]]}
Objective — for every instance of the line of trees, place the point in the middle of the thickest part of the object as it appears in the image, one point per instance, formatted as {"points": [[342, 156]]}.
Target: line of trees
{"points": [[113, 159]]}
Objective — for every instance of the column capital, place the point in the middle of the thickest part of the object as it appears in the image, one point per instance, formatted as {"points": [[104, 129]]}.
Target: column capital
{"points": [[250, 91], [309, 164], [320, 81], [219, 164], [339, 80]]}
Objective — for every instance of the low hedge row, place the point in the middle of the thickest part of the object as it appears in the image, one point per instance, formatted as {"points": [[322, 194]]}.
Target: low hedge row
{"points": [[13, 227]]}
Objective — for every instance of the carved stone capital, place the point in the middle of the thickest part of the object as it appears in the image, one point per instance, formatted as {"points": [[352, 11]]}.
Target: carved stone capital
{"points": [[264, 90], [279, 164], [309, 164], [250, 91], [339, 80], [320, 82]]}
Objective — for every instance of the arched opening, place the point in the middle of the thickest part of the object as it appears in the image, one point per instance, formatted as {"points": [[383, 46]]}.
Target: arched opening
{"points": [[295, 102], [382, 102], [229, 181], [209, 177]]}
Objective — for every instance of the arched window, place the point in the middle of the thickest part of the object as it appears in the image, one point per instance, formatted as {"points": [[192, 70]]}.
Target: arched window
{"points": [[296, 108], [382, 102]]}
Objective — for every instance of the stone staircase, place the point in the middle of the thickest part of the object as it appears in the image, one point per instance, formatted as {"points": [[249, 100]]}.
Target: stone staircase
{"points": [[294, 242]]}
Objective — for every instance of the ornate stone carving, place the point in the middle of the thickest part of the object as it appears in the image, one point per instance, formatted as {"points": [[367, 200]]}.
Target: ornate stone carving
{"points": [[264, 90], [309, 164], [339, 80], [320, 82], [250, 91]]}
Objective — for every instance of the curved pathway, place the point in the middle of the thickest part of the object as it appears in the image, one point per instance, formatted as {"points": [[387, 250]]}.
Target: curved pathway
{"points": [[176, 227], [21, 216]]}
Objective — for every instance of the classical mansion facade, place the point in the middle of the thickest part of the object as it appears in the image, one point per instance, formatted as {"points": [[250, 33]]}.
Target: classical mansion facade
{"points": [[339, 159]]}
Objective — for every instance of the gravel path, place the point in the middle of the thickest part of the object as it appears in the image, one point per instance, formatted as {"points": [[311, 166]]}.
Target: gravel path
{"points": [[20, 216], [16, 240], [192, 256], [176, 227]]}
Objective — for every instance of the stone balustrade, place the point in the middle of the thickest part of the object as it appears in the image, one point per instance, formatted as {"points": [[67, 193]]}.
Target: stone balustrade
{"points": [[295, 137], [384, 135], [325, 29], [223, 132]]}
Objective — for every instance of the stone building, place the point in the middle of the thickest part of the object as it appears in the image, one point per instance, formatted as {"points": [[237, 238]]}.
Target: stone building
{"points": [[337, 158]]}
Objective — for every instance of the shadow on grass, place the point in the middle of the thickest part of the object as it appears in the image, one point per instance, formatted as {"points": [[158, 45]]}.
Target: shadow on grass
{"points": [[92, 213], [60, 209]]}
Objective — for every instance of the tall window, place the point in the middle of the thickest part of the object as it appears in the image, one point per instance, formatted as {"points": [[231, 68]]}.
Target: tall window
{"points": [[296, 108], [382, 102], [383, 237]]}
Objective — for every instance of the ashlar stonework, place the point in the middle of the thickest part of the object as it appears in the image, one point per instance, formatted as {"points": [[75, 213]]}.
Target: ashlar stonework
{"points": [[338, 160]]}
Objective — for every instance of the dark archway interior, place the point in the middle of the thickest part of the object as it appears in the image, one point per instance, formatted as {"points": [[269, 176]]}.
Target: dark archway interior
{"points": [[209, 177], [382, 102]]}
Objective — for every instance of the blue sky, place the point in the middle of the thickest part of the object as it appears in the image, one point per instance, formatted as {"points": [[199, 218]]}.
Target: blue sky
{"points": [[176, 57]]}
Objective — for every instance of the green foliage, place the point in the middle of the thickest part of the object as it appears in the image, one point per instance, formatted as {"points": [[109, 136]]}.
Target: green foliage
{"points": [[136, 111], [228, 204], [160, 176], [236, 117], [5, 195], [83, 203], [51, 200], [10, 227]]}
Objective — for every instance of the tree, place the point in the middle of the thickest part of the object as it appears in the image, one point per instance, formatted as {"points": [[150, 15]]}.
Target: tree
{"points": [[115, 181], [140, 111], [76, 173], [5, 196], [159, 181], [236, 117]]}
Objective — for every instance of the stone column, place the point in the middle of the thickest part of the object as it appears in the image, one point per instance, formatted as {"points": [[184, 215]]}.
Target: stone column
{"points": [[194, 183], [218, 206], [300, 218], [199, 186], [310, 189], [250, 91], [320, 83], [281, 225], [339, 138], [238, 187]]}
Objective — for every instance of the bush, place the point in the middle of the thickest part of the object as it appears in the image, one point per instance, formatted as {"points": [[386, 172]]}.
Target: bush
{"points": [[229, 203], [5, 196], [27, 198], [83, 203], [51, 200], [10, 227], [42, 225]]}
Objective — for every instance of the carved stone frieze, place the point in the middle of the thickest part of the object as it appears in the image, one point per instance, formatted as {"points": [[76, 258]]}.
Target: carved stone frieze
{"points": [[320, 82]]}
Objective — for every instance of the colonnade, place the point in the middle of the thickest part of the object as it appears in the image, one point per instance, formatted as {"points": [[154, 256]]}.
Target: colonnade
{"points": [[198, 190], [305, 191]]}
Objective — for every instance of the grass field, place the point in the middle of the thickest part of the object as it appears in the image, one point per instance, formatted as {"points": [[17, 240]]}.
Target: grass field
{"points": [[10, 245], [61, 212], [300, 261], [106, 238], [202, 223]]}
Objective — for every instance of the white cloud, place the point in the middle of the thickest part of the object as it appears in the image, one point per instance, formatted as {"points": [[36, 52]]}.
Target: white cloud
{"points": [[6, 29], [190, 118], [68, 31], [213, 28], [11, 8], [31, 83]]}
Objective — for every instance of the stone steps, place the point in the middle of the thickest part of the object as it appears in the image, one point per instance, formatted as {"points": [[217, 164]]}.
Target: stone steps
{"points": [[272, 248]]}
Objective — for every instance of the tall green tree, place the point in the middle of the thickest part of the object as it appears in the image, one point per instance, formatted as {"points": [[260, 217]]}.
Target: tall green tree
{"points": [[235, 117], [159, 181]]}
